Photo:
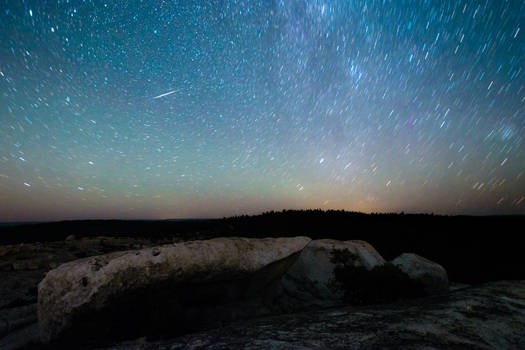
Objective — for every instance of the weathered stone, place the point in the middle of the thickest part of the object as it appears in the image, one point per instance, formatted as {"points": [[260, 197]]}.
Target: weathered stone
{"points": [[432, 276], [311, 277], [173, 286]]}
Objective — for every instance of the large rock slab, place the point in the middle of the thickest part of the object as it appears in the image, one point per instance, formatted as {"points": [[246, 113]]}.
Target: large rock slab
{"points": [[311, 278], [490, 316], [432, 276], [176, 286]]}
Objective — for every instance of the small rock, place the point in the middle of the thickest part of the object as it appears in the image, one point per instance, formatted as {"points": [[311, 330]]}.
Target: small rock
{"points": [[431, 275]]}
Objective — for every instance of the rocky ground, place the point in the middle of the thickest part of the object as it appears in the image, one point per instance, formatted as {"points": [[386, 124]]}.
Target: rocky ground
{"points": [[488, 316]]}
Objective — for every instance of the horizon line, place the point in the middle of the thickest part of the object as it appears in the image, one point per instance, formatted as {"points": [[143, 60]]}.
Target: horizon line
{"points": [[28, 222]]}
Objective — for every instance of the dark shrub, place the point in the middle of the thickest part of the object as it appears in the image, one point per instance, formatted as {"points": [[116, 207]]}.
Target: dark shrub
{"points": [[382, 284]]}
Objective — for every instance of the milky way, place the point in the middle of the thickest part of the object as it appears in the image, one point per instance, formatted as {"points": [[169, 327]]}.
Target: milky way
{"points": [[166, 109]]}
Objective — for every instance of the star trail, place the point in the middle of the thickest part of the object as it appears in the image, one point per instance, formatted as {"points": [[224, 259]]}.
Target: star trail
{"points": [[168, 109]]}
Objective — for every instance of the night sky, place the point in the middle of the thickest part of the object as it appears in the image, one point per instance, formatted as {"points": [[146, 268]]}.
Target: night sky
{"points": [[170, 109]]}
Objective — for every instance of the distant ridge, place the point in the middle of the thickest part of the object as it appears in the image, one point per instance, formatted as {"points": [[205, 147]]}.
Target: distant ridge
{"points": [[264, 214], [16, 223]]}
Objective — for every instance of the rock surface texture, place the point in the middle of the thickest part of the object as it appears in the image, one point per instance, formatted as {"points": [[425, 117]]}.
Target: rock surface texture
{"points": [[490, 316], [311, 277], [431, 275], [178, 285]]}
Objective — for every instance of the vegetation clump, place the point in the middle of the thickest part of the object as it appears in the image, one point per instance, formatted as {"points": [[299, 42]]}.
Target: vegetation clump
{"points": [[382, 284]]}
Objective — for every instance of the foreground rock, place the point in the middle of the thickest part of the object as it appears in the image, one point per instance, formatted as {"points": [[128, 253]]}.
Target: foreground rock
{"points": [[178, 286], [490, 316], [311, 278], [432, 276]]}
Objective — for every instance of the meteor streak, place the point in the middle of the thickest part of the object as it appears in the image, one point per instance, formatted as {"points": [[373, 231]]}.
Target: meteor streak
{"points": [[166, 94]]}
